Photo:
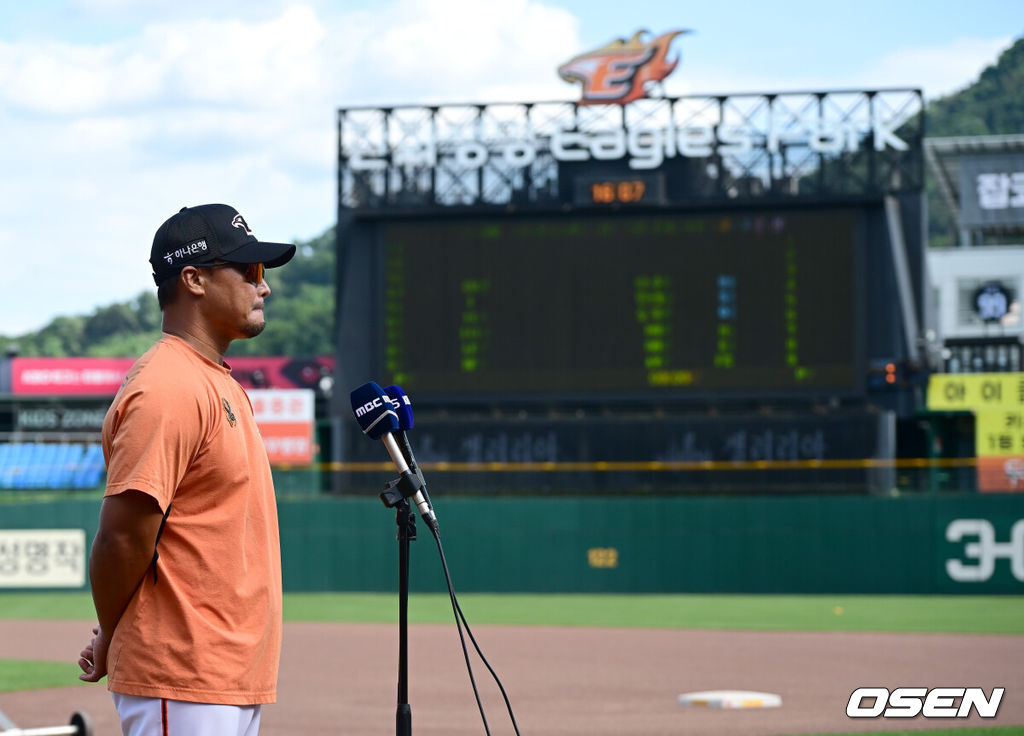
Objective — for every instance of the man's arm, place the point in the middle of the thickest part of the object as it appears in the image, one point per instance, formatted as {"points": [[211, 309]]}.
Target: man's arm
{"points": [[121, 554]]}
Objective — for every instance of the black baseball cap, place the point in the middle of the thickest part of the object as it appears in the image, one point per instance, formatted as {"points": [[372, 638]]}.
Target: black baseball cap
{"points": [[206, 233]]}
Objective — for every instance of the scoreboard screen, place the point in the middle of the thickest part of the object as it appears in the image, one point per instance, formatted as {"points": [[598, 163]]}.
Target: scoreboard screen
{"points": [[680, 305]]}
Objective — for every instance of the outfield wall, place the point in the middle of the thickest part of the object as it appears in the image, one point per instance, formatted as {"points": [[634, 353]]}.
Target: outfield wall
{"points": [[922, 544]]}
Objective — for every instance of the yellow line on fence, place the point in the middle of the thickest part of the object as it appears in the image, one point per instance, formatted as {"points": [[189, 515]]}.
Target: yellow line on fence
{"points": [[663, 466]]}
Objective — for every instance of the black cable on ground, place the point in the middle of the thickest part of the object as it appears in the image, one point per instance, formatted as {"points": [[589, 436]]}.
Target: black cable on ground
{"points": [[460, 621]]}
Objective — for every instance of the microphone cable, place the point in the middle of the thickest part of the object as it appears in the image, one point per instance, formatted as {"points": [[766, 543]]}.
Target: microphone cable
{"points": [[460, 621]]}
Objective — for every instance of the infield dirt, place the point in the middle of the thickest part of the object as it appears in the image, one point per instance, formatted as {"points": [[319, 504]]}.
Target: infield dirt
{"points": [[341, 679]]}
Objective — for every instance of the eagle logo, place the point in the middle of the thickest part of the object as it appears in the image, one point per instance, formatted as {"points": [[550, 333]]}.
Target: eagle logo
{"points": [[239, 222], [227, 410], [620, 71]]}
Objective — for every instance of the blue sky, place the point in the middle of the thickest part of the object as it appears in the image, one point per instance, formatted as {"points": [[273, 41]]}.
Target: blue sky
{"points": [[115, 113]]}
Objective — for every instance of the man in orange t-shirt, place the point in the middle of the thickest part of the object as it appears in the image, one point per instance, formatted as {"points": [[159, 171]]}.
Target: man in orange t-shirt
{"points": [[186, 565]]}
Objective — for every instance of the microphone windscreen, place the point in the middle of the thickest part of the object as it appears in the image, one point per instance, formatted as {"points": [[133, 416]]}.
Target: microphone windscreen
{"points": [[403, 407], [373, 410]]}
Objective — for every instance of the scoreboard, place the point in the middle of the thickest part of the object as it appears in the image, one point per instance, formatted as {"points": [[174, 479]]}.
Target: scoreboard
{"points": [[697, 249], [699, 305], [690, 280]]}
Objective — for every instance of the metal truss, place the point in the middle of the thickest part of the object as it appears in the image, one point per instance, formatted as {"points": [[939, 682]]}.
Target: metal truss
{"points": [[729, 148]]}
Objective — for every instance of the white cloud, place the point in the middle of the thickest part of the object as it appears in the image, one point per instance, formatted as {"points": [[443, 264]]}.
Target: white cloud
{"points": [[52, 77], [104, 141], [453, 51], [229, 64], [248, 66]]}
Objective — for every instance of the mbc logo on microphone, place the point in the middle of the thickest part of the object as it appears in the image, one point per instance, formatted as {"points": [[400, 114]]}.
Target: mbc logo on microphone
{"points": [[375, 404]]}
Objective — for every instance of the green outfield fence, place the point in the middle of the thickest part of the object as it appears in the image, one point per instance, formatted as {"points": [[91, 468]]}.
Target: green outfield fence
{"points": [[909, 544]]}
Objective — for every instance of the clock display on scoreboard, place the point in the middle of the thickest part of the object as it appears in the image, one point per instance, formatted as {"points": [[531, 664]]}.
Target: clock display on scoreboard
{"points": [[637, 189], [682, 304]]}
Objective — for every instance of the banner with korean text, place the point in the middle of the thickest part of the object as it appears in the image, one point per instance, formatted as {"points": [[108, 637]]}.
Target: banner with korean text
{"points": [[992, 189], [997, 400], [42, 558], [104, 376], [286, 421]]}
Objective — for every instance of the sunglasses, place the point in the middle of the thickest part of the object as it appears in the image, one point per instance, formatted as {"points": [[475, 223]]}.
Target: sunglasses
{"points": [[253, 272]]}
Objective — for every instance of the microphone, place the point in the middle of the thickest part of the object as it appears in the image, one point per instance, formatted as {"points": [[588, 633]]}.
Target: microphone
{"points": [[402, 406], [378, 419], [403, 410]]}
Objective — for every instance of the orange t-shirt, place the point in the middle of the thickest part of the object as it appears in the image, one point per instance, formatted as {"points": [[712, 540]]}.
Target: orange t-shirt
{"points": [[208, 630]]}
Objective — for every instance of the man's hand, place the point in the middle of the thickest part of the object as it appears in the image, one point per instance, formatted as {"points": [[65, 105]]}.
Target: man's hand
{"points": [[93, 659], [121, 554]]}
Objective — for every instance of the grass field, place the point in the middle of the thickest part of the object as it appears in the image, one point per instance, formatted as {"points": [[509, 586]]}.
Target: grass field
{"points": [[904, 614], [21, 674]]}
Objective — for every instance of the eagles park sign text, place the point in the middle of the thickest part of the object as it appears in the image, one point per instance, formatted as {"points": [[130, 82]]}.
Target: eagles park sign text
{"points": [[643, 147]]}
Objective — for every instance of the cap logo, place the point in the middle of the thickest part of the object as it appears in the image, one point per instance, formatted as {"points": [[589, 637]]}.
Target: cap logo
{"points": [[239, 222]]}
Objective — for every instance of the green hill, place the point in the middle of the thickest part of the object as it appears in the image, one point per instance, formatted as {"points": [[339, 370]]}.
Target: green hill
{"points": [[992, 105], [301, 306]]}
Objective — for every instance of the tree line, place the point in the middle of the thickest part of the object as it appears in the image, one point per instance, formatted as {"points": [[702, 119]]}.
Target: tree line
{"points": [[300, 320]]}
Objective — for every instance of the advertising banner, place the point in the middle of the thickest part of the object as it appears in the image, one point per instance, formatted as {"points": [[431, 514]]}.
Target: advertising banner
{"points": [[68, 376], [787, 453], [103, 376], [992, 189], [286, 420], [975, 391], [982, 552], [999, 445], [42, 558], [997, 400], [43, 416]]}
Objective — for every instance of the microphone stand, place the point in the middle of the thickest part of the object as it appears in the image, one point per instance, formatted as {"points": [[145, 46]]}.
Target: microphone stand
{"points": [[406, 521], [394, 496]]}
